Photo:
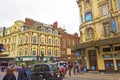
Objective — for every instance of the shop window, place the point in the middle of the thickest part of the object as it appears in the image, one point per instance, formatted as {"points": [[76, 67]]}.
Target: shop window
{"points": [[106, 50], [88, 16]]}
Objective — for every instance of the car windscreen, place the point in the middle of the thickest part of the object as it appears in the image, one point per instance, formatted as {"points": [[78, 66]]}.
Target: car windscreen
{"points": [[54, 66], [63, 64]]}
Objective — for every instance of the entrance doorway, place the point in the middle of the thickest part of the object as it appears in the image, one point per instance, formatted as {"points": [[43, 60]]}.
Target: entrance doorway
{"points": [[93, 60], [118, 65], [109, 66]]}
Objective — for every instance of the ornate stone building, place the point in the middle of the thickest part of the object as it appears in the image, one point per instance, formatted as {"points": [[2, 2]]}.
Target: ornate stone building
{"points": [[28, 42], [99, 45]]}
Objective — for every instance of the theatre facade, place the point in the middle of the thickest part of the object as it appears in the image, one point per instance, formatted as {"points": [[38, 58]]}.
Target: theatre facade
{"points": [[99, 44]]}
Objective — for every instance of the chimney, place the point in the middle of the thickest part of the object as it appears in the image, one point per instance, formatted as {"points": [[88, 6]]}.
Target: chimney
{"points": [[55, 24], [29, 21]]}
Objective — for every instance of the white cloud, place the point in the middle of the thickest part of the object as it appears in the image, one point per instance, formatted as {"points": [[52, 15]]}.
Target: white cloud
{"points": [[66, 12]]}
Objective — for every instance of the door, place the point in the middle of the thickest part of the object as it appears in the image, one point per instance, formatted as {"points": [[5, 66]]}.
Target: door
{"points": [[109, 66], [118, 65], [93, 60]]}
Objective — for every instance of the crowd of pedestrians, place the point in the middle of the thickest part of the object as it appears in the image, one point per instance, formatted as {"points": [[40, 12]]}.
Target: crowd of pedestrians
{"points": [[23, 73], [77, 69]]}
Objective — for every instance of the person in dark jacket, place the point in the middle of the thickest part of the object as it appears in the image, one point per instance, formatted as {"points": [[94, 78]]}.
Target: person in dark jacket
{"points": [[22, 73], [9, 75]]}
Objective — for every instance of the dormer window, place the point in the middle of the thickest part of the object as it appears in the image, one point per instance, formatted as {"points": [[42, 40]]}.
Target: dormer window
{"points": [[87, 1]]}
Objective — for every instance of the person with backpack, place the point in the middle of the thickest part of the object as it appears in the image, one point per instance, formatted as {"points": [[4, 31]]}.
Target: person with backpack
{"points": [[22, 73]]}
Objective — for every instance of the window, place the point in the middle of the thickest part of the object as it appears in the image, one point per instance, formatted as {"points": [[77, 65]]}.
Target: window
{"points": [[49, 30], [56, 42], [49, 41], [90, 34], [56, 52], [106, 29], [64, 43], [49, 52], [119, 4], [34, 39], [21, 40], [34, 51], [88, 16], [114, 26], [104, 9], [26, 40], [117, 48], [25, 51], [42, 40], [43, 29], [106, 49], [68, 42], [87, 1], [81, 20]]}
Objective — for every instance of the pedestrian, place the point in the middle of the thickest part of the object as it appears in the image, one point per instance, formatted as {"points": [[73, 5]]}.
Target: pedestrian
{"points": [[74, 68], [28, 72], [69, 68], [22, 72], [9, 75]]}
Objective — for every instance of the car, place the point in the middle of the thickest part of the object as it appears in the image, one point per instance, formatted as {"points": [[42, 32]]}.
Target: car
{"points": [[45, 71], [62, 63], [63, 70]]}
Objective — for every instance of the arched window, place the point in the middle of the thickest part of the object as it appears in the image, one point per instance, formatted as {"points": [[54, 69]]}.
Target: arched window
{"points": [[88, 16]]}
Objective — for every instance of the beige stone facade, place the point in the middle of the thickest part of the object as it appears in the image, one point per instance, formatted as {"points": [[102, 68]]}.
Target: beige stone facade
{"points": [[27, 42], [99, 34]]}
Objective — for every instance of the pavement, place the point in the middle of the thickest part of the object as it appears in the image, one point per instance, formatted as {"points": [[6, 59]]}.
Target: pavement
{"points": [[90, 75], [96, 75]]}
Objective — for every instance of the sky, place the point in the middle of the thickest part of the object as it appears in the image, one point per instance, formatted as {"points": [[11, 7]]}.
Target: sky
{"points": [[65, 12]]}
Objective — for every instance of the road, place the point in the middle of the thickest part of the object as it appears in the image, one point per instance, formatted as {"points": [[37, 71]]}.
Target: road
{"points": [[85, 76]]}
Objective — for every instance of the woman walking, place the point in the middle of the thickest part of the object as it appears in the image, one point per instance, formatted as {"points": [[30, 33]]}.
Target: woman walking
{"points": [[9, 75]]}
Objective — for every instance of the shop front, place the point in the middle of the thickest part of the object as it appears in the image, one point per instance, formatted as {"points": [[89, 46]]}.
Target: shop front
{"points": [[101, 55]]}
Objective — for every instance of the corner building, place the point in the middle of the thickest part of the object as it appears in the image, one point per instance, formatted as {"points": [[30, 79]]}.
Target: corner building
{"points": [[99, 44], [27, 42]]}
